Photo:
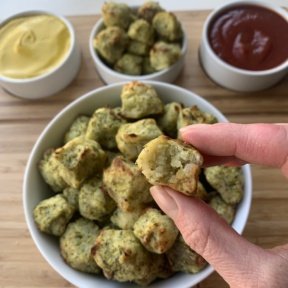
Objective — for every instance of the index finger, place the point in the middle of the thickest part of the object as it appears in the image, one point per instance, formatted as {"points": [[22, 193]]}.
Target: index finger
{"points": [[265, 144]]}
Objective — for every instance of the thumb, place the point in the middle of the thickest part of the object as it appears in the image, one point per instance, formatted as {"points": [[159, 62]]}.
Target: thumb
{"points": [[233, 257]]}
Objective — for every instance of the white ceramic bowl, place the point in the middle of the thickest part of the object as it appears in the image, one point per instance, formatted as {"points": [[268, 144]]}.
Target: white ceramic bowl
{"points": [[110, 76], [229, 76], [35, 190], [53, 81]]}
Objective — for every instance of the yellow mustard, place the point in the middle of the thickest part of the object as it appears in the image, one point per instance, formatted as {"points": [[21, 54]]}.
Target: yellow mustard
{"points": [[33, 45]]}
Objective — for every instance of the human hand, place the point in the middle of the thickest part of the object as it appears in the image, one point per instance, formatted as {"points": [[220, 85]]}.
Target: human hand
{"points": [[239, 262]]}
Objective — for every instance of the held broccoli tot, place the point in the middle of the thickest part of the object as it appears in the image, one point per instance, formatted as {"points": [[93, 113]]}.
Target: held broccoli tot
{"points": [[79, 159], [140, 100], [76, 244], [165, 161], [103, 127], [126, 184], [53, 214], [156, 232], [132, 137]]}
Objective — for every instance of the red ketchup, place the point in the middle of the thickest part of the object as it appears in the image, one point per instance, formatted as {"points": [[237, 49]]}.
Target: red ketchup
{"points": [[250, 37]]}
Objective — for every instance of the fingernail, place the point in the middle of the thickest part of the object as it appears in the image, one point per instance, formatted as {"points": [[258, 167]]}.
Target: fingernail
{"points": [[164, 200], [191, 127]]}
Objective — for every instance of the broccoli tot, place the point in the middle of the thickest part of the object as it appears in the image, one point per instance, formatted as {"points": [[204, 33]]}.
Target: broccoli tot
{"points": [[76, 244], [94, 201], [156, 232], [117, 14], [140, 100], [53, 214], [77, 128], [103, 127], [132, 137], [126, 184], [170, 162], [110, 43], [164, 55]]}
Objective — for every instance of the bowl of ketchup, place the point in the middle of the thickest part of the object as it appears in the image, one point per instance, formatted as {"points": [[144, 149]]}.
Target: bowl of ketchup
{"points": [[244, 45]]}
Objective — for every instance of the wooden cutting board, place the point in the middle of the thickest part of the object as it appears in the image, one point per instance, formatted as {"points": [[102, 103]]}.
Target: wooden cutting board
{"points": [[21, 122]]}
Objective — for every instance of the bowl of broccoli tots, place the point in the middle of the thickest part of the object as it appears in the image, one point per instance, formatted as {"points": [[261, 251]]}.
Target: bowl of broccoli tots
{"points": [[86, 187], [143, 43]]}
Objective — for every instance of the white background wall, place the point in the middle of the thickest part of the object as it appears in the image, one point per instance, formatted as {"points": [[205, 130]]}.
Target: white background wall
{"points": [[80, 7]]}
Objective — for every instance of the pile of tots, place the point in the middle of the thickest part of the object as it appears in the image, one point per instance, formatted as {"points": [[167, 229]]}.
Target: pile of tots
{"points": [[102, 210], [138, 42]]}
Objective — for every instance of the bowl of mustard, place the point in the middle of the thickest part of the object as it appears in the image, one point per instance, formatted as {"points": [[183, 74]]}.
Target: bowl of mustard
{"points": [[39, 54]]}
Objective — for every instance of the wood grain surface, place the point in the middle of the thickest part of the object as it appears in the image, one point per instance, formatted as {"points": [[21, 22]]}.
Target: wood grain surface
{"points": [[21, 122]]}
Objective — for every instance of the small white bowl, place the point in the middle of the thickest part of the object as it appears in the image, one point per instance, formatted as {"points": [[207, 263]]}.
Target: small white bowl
{"points": [[53, 81], [35, 190], [110, 76], [232, 77]]}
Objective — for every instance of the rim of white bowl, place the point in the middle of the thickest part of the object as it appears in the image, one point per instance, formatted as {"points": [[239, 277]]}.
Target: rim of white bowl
{"points": [[246, 169], [268, 5], [125, 77], [72, 34]]}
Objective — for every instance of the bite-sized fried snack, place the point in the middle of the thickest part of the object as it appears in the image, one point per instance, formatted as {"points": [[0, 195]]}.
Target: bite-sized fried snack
{"points": [[110, 43], [156, 232], [49, 169], [227, 181], [117, 14], [126, 184], [129, 64], [125, 219], [164, 55], [140, 100], [76, 244], [72, 197], [122, 257], [53, 214], [167, 26], [193, 115], [142, 31], [170, 162], [103, 127], [227, 211], [132, 137], [148, 10], [78, 128], [146, 66], [79, 159], [94, 201], [138, 48], [168, 121], [183, 259]]}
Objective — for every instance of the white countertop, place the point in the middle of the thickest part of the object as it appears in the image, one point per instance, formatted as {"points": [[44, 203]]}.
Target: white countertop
{"points": [[82, 7]]}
